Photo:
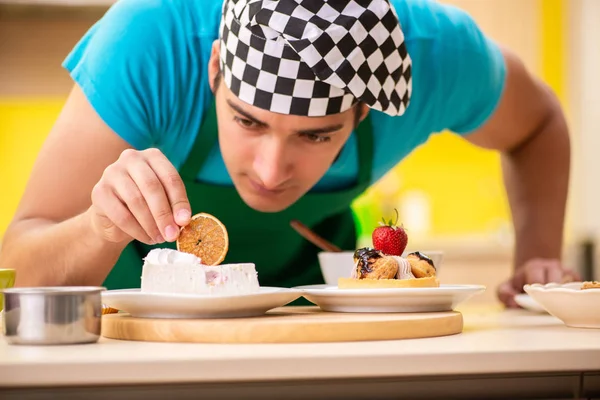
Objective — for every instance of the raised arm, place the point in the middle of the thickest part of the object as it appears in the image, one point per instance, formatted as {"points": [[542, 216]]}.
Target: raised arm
{"points": [[529, 129], [98, 183], [484, 93], [50, 240]]}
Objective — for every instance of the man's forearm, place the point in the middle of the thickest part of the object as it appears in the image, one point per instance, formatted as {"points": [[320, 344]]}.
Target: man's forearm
{"points": [[45, 253], [536, 175]]}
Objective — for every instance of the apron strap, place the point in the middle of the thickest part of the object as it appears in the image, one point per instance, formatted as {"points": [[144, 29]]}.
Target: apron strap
{"points": [[205, 140]]}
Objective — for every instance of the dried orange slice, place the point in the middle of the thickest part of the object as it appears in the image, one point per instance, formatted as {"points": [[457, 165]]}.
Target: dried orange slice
{"points": [[205, 237]]}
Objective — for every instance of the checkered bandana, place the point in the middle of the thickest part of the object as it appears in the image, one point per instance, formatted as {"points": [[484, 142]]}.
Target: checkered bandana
{"points": [[315, 57]]}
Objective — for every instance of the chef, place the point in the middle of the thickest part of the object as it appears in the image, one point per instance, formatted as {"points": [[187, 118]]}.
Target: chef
{"points": [[260, 112]]}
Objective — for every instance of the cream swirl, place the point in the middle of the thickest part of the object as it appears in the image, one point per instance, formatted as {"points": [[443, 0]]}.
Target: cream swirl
{"points": [[171, 257], [404, 268]]}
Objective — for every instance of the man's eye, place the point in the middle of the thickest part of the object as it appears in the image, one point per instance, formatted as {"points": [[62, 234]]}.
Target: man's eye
{"points": [[317, 138], [246, 123]]}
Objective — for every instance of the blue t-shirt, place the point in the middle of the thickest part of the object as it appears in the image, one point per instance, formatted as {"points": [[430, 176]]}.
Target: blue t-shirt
{"points": [[143, 67]]}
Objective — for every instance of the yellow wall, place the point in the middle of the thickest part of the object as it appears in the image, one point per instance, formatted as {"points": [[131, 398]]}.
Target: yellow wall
{"points": [[461, 182], [24, 125], [554, 38]]}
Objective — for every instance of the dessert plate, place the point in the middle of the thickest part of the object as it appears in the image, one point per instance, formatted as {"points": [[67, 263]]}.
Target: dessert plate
{"points": [[528, 303], [400, 300], [165, 305]]}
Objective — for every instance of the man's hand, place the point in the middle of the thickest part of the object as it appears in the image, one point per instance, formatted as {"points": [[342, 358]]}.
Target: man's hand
{"points": [[538, 270], [141, 196]]}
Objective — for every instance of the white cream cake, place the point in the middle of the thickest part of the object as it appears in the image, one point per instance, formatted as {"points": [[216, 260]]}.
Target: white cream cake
{"points": [[172, 271]]}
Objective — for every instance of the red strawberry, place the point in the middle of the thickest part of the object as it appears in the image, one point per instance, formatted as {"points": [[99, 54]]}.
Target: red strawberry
{"points": [[389, 238]]}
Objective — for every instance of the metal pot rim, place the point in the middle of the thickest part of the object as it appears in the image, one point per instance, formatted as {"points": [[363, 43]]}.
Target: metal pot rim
{"points": [[54, 290]]}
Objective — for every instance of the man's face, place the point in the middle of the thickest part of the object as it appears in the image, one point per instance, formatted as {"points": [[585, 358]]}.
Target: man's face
{"points": [[274, 159]]}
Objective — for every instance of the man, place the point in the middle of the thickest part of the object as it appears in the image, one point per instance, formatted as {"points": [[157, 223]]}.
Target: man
{"points": [[260, 112]]}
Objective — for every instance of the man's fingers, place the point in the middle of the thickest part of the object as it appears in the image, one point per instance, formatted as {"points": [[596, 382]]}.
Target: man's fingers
{"points": [[555, 273], [535, 273], [120, 215], [130, 194], [570, 275], [518, 279], [143, 195], [173, 186], [159, 215]]}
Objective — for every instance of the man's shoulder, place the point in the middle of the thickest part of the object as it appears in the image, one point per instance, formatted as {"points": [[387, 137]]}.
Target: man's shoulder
{"points": [[163, 5], [459, 70], [200, 16], [432, 20]]}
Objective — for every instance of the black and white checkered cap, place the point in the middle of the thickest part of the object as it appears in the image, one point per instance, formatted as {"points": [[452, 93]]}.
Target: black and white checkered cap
{"points": [[315, 57]]}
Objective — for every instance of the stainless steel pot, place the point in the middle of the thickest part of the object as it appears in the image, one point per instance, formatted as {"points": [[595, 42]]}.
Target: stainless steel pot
{"points": [[52, 315]]}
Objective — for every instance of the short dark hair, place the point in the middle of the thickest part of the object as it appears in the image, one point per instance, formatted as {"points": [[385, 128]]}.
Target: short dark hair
{"points": [[357, 106]]}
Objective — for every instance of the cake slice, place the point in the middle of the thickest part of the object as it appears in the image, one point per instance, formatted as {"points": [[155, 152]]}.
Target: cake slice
{"points": [[172, 271], [232, 279]]}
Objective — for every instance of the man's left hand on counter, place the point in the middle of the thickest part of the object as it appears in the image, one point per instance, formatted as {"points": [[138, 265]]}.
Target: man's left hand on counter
{"points": [[537, 270]]}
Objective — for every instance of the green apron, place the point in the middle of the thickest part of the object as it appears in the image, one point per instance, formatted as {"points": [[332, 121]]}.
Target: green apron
{"points": [[282, 257]]}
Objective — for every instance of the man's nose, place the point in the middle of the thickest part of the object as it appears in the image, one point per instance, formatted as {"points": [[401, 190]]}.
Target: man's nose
{"points": [[272, 163]]}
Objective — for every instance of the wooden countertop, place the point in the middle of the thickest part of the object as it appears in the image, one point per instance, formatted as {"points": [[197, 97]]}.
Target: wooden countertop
{"points": [[495, 341]]}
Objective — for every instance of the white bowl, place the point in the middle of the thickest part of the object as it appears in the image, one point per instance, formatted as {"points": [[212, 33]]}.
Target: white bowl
{"points": [[574, 307], [335, 265]]}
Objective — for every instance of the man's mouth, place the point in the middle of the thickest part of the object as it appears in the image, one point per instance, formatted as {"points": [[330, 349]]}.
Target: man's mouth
{"points": [[261, 189]]}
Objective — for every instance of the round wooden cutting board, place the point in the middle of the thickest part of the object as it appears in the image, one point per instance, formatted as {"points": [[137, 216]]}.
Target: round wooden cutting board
{"points": [[285, 325]]}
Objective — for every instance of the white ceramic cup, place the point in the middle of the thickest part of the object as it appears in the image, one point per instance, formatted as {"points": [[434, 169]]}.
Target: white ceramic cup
{"points": [[335, 265]]}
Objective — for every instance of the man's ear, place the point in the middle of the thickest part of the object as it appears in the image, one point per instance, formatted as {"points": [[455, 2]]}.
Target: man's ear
{"points": [[364, 111], [214, 66]]}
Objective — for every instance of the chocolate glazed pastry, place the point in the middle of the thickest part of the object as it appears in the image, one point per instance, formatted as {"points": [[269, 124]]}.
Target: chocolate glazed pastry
{"points": [[373, 264], [421, 265], [374, 269]]}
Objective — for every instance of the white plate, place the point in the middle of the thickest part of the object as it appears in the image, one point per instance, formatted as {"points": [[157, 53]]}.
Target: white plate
{"points": [[525, 301], [401, 300], [574, 307], [163, 305]]}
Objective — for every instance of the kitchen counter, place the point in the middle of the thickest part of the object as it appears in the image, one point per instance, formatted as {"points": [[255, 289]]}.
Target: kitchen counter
{"points": [[516, 354]]}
